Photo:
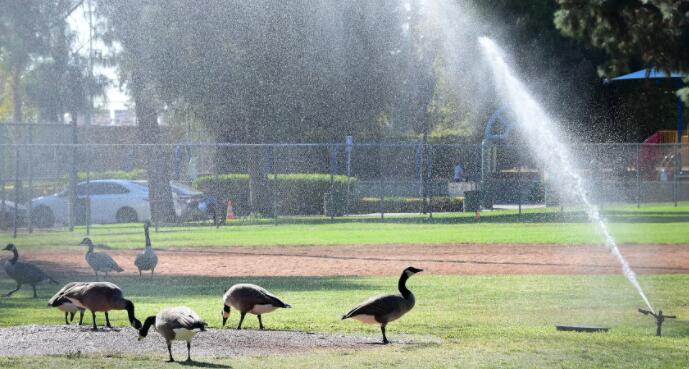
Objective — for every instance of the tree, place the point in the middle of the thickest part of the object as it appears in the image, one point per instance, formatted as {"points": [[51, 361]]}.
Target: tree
{"points": [[634, 33], [130, 24]]}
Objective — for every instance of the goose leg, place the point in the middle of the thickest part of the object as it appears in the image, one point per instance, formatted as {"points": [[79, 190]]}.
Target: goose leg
{"points": [[382, 329], [66, 321], [19, 285], [81, 317], [35, 295], [169, 351], [241, 319], [260, 323], [107, 320], [71, 316], [93, 314], [139, 272], [152, 271], [188, 351]]}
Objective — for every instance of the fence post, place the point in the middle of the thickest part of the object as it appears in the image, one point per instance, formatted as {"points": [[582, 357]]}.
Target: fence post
{"points": [[638, 176], [677, 169], [16, 191], [429, 174], [73, 176], [519, 188], [275, 186], [29, 167], [88, 198], [3, 194], [380, 184], [331, 195]]}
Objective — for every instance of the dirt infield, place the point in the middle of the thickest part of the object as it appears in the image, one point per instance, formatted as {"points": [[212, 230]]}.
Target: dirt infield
{"points": [[65, 340], [385, 260]]}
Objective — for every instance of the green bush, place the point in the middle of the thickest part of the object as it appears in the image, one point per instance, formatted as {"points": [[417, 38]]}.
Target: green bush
{"points": [[367, 205], [296, 193], [114, 174]]}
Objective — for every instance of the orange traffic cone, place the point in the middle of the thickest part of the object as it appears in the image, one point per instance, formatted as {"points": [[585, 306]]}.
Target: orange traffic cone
{"points": [[230, 211], [478, 215]]}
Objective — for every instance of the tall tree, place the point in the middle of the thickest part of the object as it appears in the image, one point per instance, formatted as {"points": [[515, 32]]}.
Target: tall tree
{"points": [[633, 33]]}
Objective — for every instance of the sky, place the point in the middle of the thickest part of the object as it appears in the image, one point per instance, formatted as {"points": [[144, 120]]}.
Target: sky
{"points": [[116, 97]]}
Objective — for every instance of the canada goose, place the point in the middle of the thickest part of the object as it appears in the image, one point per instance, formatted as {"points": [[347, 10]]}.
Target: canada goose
{"points": [[175, 324], [250, 298], [23, 272], [101, 296], [99, 261], [65, 305], [147, 260], [387, 308]]}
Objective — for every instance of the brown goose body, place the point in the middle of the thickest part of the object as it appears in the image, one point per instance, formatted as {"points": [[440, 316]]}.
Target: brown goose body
{"points": [[101, 297], [386, 308], [250, 298]]}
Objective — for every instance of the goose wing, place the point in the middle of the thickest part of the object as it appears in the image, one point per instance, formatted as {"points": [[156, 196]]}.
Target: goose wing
{"points": [[28, 273], [80, 290], [259, 296], [60, 294], [377, 306], [182, 317], [103, 261]]}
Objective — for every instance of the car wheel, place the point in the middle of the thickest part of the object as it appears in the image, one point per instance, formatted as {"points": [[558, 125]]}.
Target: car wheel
{"points": [[127, 215], [43, 217]]}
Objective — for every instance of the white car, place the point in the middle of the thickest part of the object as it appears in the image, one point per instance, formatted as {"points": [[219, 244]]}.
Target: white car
{"points": [[112, 201]]}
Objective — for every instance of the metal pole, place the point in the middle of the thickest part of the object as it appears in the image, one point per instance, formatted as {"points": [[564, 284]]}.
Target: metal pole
{"points": [[88, 199], [380, 184], [349, 145], [519, 188], [16, 191], [429, 175], [73, 175], [3, 194], [30, 175], [675, 175], [275, 186], [638, 176], [333, 158]]}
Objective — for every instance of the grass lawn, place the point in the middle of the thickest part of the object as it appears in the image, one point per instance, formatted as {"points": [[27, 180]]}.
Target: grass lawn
{"points": [[480, 321], [662, 223]]}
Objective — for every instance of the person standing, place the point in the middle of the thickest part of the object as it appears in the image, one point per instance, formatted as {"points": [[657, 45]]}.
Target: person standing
{"points": [[459, 173]]}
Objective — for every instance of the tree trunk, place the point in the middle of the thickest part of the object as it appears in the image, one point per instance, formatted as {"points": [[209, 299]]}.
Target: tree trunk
{"points": [[156, 158], [17, 114]]}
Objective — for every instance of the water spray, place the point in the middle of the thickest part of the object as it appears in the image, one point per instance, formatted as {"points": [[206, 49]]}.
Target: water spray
{"points": [[546, 144]]}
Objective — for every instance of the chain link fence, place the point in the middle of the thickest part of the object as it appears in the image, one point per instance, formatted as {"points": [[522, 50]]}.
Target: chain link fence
{"points": [[63, 185]]}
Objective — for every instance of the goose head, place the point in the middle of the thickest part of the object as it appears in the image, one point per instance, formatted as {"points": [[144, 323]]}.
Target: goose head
{"points": [[225, 314], [10, 247], [86, 241], [410, 271]]}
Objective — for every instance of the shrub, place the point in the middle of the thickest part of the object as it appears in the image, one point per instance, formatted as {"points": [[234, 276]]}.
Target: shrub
{"points": [[367, 205], [297, 193], [114, 174]]}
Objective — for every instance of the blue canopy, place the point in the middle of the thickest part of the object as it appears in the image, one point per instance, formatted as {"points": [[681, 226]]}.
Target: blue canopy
{"points": [[655, 73], [645, 73]]}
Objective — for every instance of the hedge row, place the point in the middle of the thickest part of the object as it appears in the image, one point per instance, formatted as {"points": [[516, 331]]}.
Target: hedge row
{"points": [[368, 205], [114, 174], [295, 194]]}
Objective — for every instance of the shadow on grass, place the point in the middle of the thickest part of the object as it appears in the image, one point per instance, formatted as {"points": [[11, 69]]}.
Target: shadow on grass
{"points": [[173, 286], [201, 364]]}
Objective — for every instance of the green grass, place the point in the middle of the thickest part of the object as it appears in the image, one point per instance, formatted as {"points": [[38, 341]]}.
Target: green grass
{"points": [[651, 224], [481, 321]]}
